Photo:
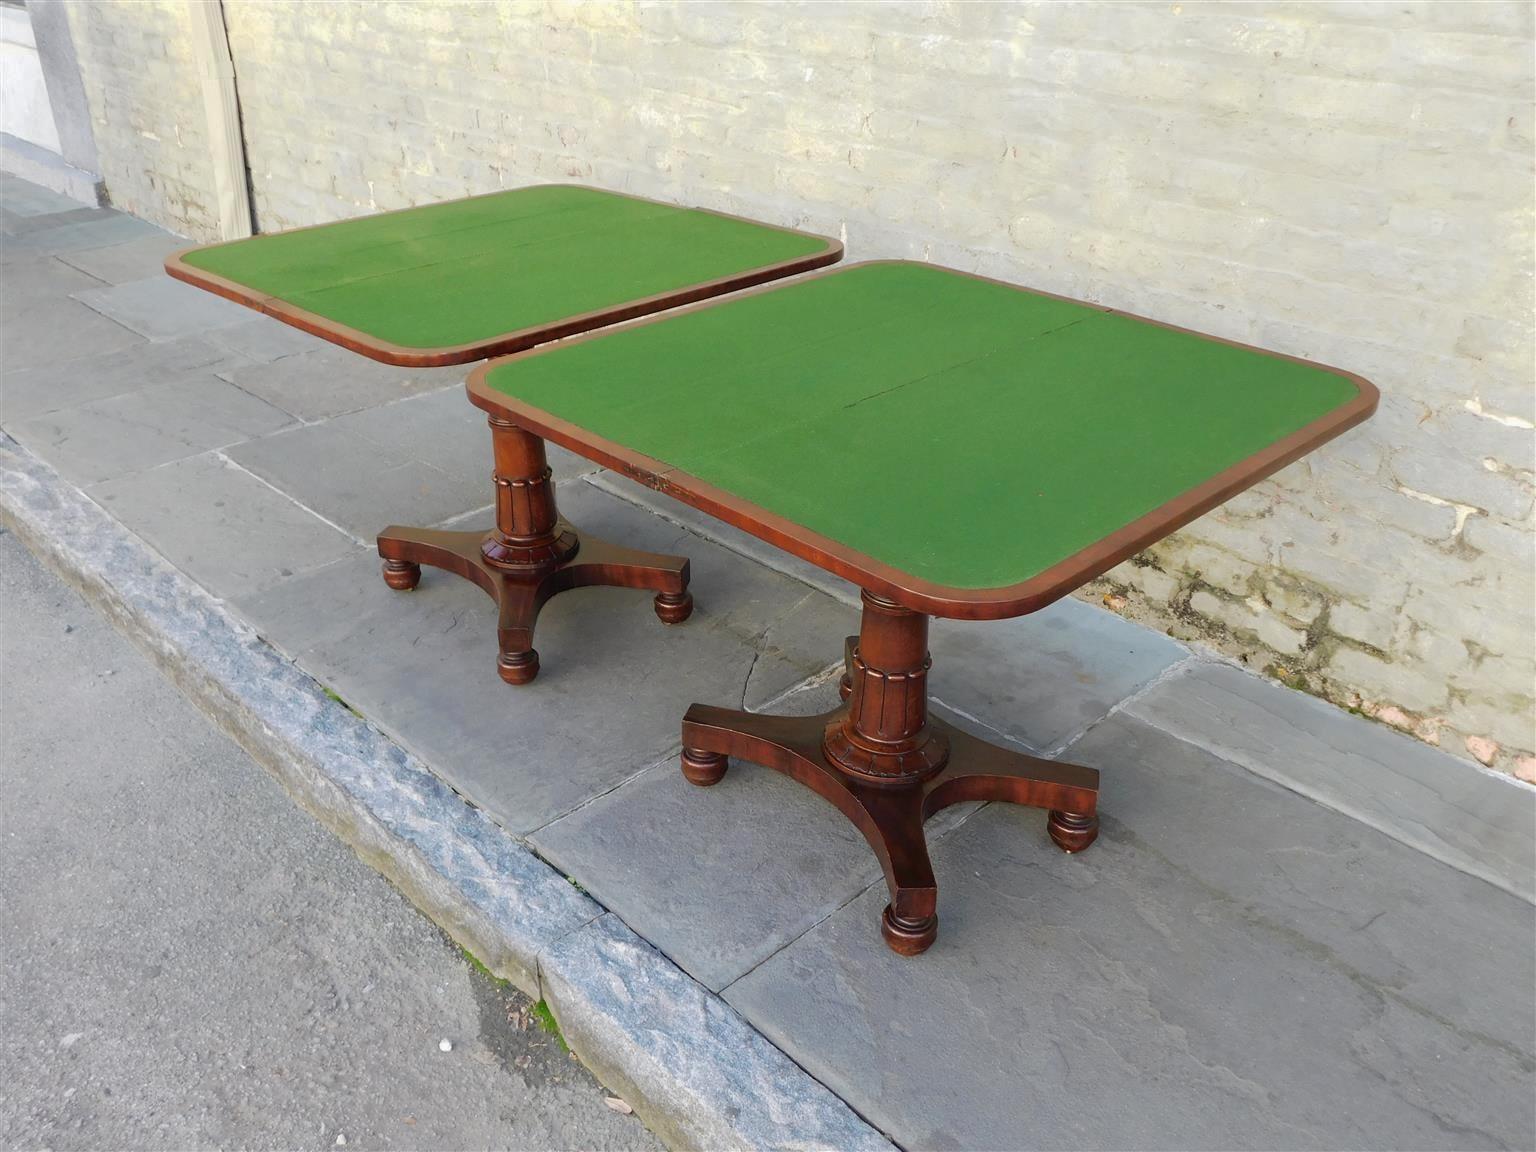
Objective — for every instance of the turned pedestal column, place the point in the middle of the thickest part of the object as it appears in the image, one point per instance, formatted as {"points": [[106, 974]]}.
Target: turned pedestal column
{"points": [[888, 766], [530, 555]]}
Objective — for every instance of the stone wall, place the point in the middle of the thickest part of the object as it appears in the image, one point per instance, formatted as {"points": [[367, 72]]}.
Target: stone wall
{"points": [[145, 97], [1350, 182]]}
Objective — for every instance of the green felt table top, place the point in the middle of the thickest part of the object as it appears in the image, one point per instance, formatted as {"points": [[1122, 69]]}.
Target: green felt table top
{"points": [[450, 274], [967, 433]]}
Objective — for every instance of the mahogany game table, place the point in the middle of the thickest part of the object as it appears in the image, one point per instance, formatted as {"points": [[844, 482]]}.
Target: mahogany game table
{"points": [[955, 446], [460, 281]]}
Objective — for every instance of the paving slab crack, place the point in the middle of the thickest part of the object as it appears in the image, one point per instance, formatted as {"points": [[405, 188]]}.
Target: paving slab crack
{"points": [[235, 465], [1171, 672]]}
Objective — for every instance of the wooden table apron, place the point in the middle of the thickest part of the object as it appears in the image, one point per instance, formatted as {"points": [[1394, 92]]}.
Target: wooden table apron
{"points": [[880, 757], [531, 553]]}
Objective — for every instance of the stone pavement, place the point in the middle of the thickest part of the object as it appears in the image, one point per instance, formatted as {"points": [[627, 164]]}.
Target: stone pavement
{"points": [[191, 961], [1297, 928]]}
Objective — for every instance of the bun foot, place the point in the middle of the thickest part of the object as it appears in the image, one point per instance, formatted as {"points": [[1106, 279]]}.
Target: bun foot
{"points": [[704, 768], [674, 607], [518, 667], [908, 937], [402, 575], [1071, 831]]}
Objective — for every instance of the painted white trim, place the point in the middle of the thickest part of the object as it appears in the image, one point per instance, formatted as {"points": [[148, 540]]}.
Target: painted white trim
{"points": [[226, 147], [24, 108]]}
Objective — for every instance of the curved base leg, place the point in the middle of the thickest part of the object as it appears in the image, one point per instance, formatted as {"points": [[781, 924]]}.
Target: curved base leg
{"points": [[891, 815], [978, 770], [520, 593], [615, 566]]}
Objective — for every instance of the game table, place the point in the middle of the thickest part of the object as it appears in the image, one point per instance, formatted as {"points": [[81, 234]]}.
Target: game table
{"points": [[957, 447], [459, 281]]}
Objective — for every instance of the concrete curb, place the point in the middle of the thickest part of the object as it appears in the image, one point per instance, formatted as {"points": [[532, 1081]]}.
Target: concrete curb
{"points": [[696, 1071]]}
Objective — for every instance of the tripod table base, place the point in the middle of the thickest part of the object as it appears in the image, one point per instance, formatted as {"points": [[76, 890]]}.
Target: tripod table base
{"points": [[889, 780], [521, 592]]}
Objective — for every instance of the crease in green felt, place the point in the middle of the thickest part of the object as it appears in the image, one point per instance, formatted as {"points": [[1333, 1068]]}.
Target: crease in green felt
{"points": [[964, 432], [469, 270]]}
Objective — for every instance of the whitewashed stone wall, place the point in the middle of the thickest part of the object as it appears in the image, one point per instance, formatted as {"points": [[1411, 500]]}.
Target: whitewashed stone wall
{"points": [[145, 98], [1350, 182]]}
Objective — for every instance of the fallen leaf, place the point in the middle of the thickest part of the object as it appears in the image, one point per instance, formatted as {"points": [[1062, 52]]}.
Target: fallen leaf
{"points": [[618, 1105]]}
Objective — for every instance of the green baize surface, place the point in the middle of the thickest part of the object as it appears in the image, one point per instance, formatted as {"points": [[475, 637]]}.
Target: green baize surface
{"points": [[965, 432], [468, 270]]}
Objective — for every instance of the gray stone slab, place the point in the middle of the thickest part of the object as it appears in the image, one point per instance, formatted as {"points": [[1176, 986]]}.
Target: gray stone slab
{"points": [[103, 228], [67, 383], [262, 339], [135, 259], [62, 330], [701, 1076], [38, 283], [327, 381], [422, 664], [1480, 822], [425, 460], [163, 309], [1044, 678], [1230, 966], [139, 430], [356, 483], [27, 199], [718, 878], [22, 224], [443, 429], [222, 526]]}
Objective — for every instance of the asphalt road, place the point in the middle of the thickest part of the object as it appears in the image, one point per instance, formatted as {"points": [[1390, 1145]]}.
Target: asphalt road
{"points": [[191, 961]]}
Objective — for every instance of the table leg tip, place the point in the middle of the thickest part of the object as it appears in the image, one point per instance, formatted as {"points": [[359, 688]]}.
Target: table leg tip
{"points": [[674, 607], [518, 667], [402, 575], [908, 937], [1071, 831], [704, 768]]}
